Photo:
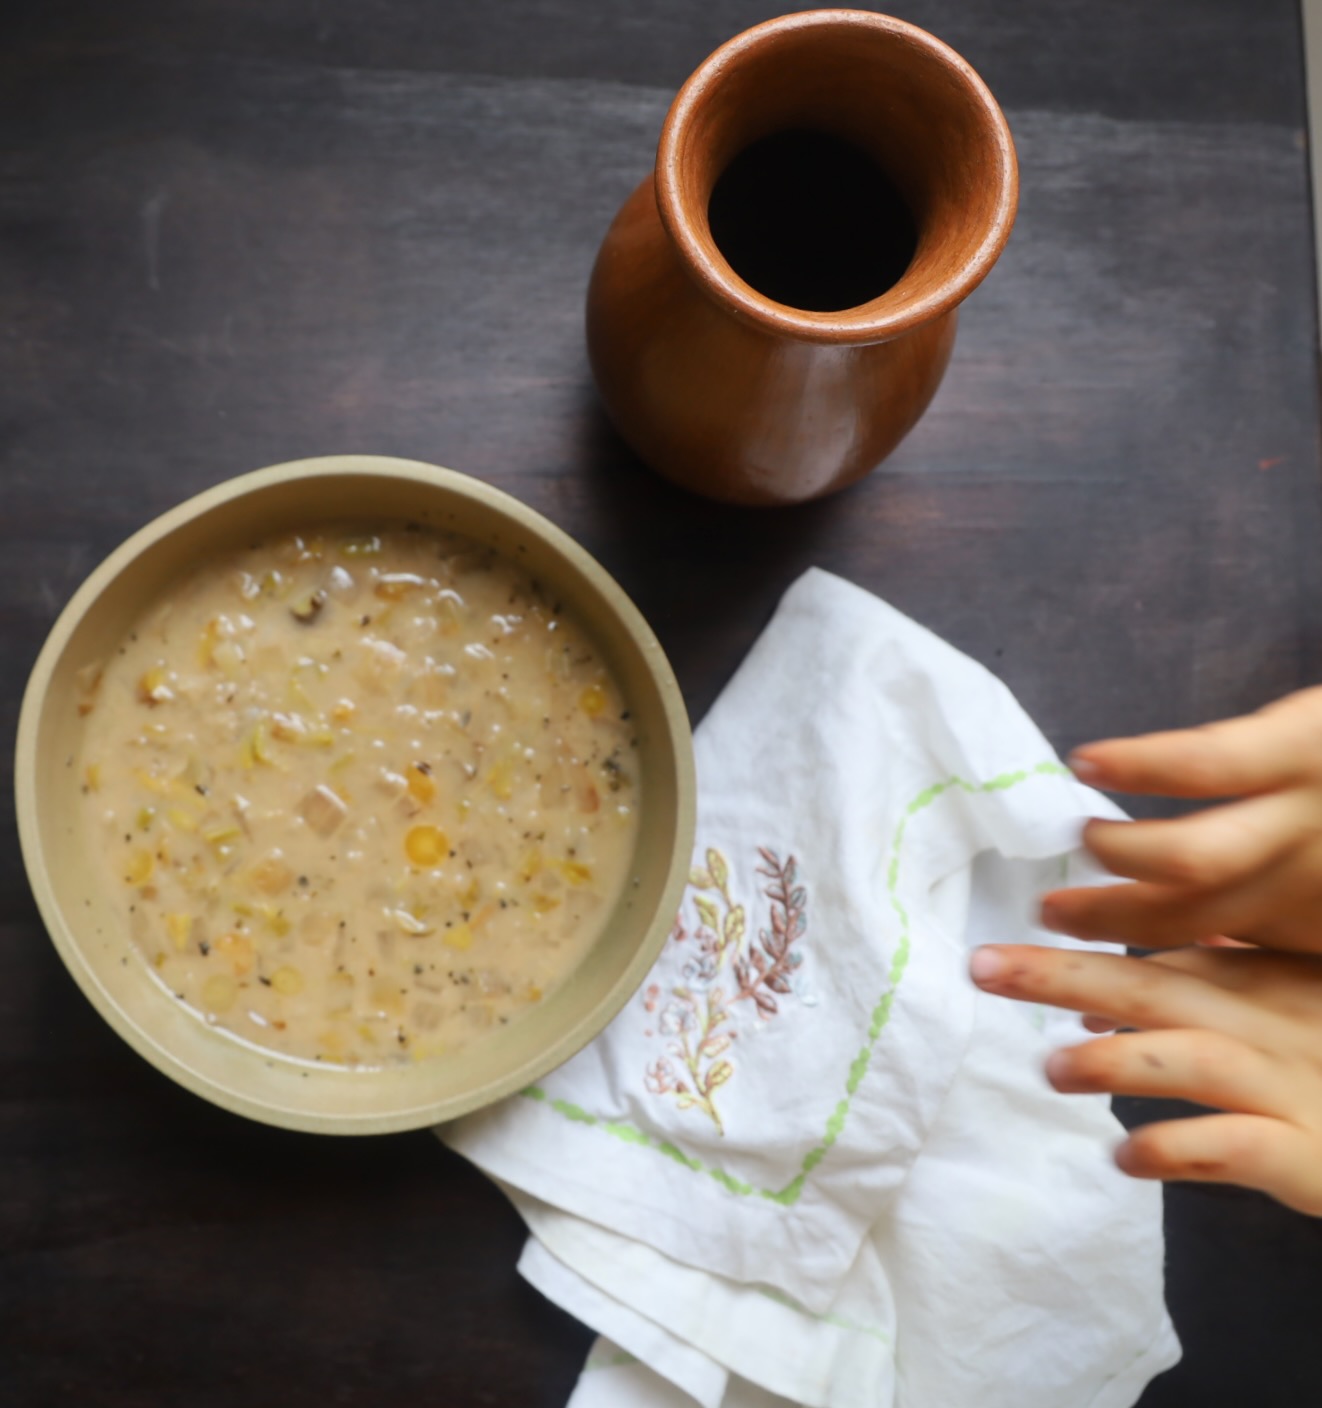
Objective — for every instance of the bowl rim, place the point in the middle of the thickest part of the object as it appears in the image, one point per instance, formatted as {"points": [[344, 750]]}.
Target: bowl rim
{"points": [[61, 932]]}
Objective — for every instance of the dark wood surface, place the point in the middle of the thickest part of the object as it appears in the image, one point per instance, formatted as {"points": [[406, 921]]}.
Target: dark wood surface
{"points": [[233, 233]]}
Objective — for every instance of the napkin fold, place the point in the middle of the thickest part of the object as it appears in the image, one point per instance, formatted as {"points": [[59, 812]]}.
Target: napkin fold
{"points": [[810, 1163]]}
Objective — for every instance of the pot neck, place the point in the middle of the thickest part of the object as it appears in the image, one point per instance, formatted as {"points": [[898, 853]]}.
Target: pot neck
{"points": [[885, 87]]}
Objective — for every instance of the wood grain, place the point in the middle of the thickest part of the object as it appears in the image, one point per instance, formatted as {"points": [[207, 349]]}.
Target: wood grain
{"points": [[232, 234]]}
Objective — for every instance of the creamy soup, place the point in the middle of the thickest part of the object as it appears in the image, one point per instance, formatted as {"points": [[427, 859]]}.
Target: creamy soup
{"points": [[359, 796]]}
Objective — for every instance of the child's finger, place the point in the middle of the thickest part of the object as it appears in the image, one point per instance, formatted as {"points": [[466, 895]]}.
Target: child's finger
{"points": [[1145, 914], [1250, 754], [1286, 985], [1128, 991], [1251, 1150], [1141, 914], [1212, 848], [1203, 1066]]}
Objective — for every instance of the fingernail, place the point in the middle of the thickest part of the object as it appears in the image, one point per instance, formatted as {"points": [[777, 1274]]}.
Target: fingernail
{"points": [[986, 965], [1057, 1067], [1051, 917], [1084, 769]]}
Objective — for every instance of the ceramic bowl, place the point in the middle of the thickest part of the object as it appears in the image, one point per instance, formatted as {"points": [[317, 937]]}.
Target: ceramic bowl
{"points": [[100, 954]]}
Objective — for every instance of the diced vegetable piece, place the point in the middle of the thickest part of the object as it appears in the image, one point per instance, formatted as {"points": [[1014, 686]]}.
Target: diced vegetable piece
{"points": [[387, 998], [297, 696], [92, 777], [410, 923], [288, 982], [256, 748], [295, 548], [427, 1015], [271, 875], [500, 779], [323, 809], [364, 546], [395, 586], [162, 786], [426, 846], [276, 920], [145, 817], [228, 655], [449, 613], [219, 992], [139, 867], [179, 927], [237, 949], [592, 701], [422, 786], [458, 936], [154, 686], [288, 728], [316, 928], [306, 607], [343, 710], [393, 784], [575, 872], [181, 820], [331, 1044]]}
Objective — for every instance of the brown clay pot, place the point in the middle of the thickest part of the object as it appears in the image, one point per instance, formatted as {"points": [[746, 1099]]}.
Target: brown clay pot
{"points": [[735, 395]]}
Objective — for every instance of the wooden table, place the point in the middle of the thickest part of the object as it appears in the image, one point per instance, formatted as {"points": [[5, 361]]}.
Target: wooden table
{"points": [[233, 233]]}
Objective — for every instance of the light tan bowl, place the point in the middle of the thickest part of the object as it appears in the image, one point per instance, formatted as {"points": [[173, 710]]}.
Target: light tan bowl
{"points": [[94, 946]]}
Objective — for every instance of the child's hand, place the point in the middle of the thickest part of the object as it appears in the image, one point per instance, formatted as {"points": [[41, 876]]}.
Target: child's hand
{"points": [[1239, 1029], [1251, 868]]}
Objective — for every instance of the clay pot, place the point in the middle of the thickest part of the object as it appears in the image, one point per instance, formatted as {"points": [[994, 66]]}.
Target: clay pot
{"points": [[713, 382]]}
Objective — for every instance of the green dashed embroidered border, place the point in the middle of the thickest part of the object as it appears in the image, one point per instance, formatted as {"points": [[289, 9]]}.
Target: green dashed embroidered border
{"points": [[873, 1332], [791, 1192], [613, 1360]]}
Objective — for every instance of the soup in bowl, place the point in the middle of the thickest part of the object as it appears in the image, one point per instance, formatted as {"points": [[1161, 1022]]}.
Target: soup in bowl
{"points": [[354, 794]]}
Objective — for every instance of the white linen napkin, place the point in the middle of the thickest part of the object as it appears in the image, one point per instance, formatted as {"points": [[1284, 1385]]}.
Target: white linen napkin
{"points": [[810, 1163]]}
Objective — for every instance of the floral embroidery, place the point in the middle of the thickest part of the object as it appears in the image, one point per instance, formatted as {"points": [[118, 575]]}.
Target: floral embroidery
{"points": [[696, 1016]]}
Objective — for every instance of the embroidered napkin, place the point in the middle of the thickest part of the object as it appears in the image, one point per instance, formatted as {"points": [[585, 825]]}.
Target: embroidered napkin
{"points": [[809, 1162]]}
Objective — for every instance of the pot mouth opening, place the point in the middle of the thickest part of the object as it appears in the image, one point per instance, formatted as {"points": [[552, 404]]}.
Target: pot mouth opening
{"points": [[836, 176]]}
